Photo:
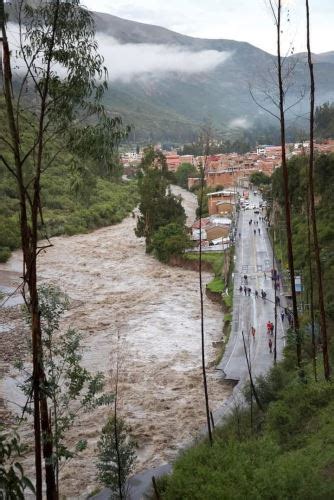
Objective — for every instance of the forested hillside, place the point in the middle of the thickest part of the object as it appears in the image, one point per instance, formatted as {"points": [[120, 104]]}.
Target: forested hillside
{"points": [[78, 195]]}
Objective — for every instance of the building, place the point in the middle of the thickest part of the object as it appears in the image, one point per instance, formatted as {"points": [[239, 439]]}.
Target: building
{"points": [[173, 162], [221, 202]]}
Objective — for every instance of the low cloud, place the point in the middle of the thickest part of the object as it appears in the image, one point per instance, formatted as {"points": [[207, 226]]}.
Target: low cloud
{"points": [[130, 60], [240, 122]]}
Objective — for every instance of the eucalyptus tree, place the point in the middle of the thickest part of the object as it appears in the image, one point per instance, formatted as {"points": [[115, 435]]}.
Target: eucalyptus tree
{"points": [[276, 9], [59, 85], [311, 211]]}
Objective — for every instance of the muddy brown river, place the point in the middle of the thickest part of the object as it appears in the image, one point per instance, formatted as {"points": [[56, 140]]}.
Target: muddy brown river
{"points": [[118, 291]]}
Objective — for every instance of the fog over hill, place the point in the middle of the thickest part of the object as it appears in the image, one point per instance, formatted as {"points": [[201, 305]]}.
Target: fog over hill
{"points": [[167, 84]]}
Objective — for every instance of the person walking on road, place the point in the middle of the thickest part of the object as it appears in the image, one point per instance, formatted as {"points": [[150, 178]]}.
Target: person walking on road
{"points": [[270, 345], [240, 289], [282, 316], [264, 275], [249, 291], [259, 230], [256, 294], [253, 332], [254, 232], [245, 290]]}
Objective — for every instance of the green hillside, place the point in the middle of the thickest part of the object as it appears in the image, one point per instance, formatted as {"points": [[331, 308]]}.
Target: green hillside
{"points": [[74, 200]]}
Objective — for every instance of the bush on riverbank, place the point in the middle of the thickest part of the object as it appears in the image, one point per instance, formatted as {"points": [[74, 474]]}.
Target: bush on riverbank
{"points": [[170, 240], [284, 452]]}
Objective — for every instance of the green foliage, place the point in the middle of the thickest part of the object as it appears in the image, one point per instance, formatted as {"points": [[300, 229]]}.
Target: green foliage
{"points": [[324, 121], [324, 185], [259, 179], [67, 382], [13, 482], [74, 199], [216, 285], [158, 206], [170, 240], [216, 259], [184, 171], [116, 457], [288, 453]]}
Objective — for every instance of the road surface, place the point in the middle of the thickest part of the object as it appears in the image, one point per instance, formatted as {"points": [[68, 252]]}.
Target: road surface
{"points": [[254, 258]]}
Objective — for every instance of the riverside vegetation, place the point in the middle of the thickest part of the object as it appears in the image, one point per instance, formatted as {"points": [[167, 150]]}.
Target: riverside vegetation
{"points": [[75, 200]]}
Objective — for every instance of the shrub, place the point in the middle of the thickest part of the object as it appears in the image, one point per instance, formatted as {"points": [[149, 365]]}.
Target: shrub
{"points": [[4, 254], [170, 240]]}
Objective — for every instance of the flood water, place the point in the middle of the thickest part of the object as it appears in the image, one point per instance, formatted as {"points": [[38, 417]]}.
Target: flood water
{"points": [[131, 307]]}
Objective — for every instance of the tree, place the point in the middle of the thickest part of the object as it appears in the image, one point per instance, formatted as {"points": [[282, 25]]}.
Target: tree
{"points": [[324, 121], [205, 139], [116, 457], [13, 482], [184, 171], [323, 323], [259, 179], [276, 8], [170, 240], [61, 85], [158, 206], [67, 383]]}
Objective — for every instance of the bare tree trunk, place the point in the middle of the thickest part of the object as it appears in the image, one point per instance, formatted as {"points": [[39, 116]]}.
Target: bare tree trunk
{"points": [[258, 402], [314, 350], [275, 303], [29, 248], [207, 407], [25, 238], [286, 187], [323, 325], [119, 465]]}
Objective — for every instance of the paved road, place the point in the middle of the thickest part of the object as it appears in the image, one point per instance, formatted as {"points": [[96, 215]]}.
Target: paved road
{"points": [[254, 259]]}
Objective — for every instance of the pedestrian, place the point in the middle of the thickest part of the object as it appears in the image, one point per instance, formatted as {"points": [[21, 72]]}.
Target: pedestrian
{"points": [[282, 316], [256, 294], [245, 278], [245, 290], [271, 328], [265, 275], [255, 232], [240, 289], [253, 332], [249, 292], [270, 345], [268, 326], [278, 301], [259, 231]]}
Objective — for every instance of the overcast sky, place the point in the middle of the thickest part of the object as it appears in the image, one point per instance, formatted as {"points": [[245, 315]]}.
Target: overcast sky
{"points": [[245, 20]]}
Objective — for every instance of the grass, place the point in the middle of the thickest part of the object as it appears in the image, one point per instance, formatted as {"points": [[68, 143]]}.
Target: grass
{"points": [[216, 285], [214, 258], [285, 452]]}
